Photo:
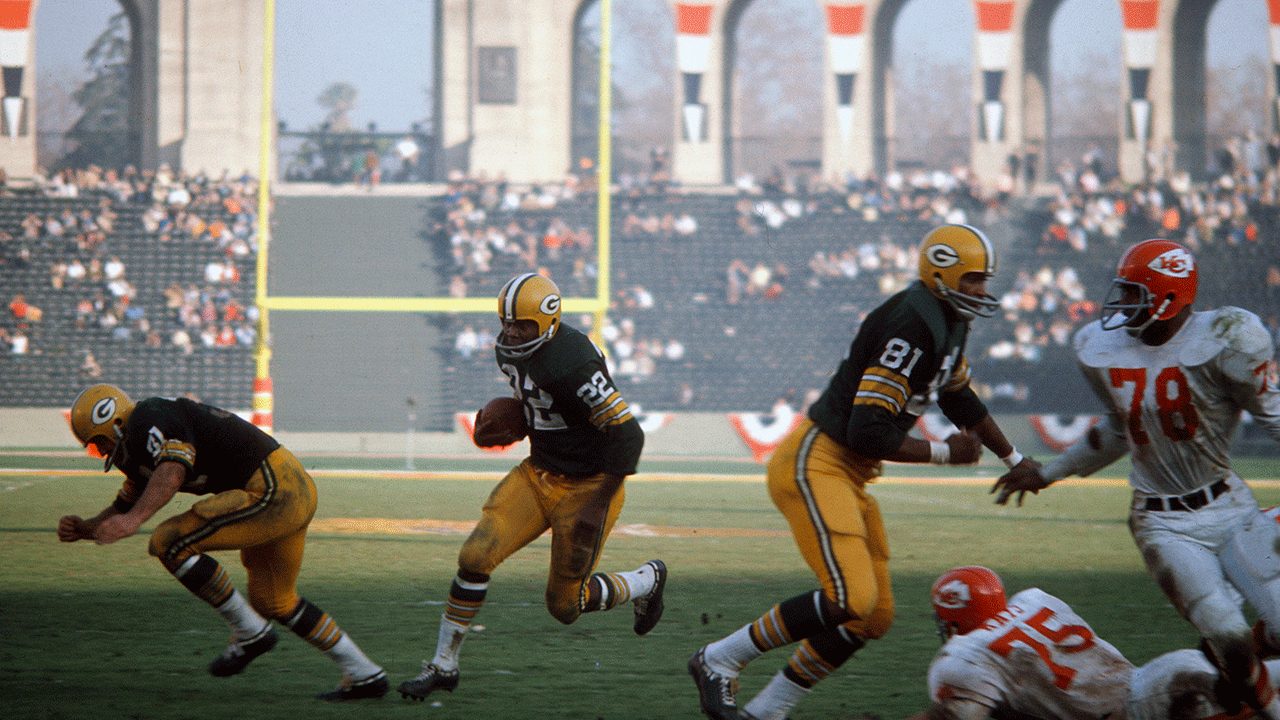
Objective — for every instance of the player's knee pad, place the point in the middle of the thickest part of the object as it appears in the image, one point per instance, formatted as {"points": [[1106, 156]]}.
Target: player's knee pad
{"points": [[476, 556], [564, 606], [161, 546]]}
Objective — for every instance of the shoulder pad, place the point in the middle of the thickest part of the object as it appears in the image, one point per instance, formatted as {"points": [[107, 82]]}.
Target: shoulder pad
{"points": [[1241, 330], [1096, 347]]}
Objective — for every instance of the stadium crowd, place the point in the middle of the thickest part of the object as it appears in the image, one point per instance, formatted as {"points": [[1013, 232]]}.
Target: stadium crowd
{"points": [[696, 274]]}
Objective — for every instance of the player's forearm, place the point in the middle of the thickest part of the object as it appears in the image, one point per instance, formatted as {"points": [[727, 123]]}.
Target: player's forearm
{"points": [[163, 485], [992, 437], [1102, 445]]}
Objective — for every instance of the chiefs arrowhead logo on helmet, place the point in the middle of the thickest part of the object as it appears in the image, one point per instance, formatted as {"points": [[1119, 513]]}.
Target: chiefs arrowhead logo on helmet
{"points": [[1174, 263]]}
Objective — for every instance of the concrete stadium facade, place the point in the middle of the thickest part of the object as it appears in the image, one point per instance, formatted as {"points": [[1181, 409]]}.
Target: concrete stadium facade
{"points": [[504, 87]]}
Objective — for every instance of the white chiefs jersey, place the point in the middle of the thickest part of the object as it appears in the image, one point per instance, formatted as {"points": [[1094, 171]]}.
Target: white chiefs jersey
{"points": [[1038, 657], [1181, 401]]}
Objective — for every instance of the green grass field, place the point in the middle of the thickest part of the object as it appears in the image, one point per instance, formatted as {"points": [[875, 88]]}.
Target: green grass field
{"points": [[104, 632]]}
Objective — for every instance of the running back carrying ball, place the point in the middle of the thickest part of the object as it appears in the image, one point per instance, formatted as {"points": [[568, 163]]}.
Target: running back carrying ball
{"points": [[500, 422]]}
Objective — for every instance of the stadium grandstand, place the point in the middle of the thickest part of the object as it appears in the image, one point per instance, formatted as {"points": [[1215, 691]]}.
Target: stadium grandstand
{"points": [[722, 300]]}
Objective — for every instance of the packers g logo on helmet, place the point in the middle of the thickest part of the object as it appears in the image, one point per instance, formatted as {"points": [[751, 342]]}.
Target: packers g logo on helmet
{"points": [[101, 411], [529, 297], [949, 252]]}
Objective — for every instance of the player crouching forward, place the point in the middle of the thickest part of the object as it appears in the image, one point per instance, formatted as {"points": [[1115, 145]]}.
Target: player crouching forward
{"points": [[259, 501], [583, 442], [1034, 657]]}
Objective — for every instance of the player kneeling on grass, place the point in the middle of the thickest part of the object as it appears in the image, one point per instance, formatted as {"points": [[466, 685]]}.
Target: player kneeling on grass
{"points": [[583, 441], [260, 502], [1034, 657]]}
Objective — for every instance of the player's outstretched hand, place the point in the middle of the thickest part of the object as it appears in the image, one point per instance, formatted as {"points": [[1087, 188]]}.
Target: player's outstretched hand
{"points": [[1022, 479]]}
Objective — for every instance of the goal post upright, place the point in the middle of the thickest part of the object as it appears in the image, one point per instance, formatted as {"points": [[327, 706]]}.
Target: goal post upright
{"points": [[597, 306]]}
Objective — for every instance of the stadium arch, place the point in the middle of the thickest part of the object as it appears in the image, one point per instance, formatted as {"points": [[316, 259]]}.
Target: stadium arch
{"points": [[505, 92]]}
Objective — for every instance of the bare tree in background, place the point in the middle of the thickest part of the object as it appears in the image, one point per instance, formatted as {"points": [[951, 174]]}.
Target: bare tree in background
{"points": [[1085, 111], [339, 99], [777, 86], [932, 112]]}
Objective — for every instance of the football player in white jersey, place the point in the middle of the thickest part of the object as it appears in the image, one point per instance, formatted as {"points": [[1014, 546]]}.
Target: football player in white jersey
{"points": [[1174, 384], [1034, 657]]}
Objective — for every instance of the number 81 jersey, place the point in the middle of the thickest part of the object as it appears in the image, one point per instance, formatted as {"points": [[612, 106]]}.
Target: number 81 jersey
{"points": [[1039, 658], [1180, 402]]}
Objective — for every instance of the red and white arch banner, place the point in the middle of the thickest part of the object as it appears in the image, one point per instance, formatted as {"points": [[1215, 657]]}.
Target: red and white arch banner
{"points": [[1059, 433], [1139, 43], [763, 432], [846, 45], [693, 54], [15, 46], [994, 48]]}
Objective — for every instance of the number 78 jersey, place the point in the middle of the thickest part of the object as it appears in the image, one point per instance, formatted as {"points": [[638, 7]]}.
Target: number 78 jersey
{"points": [[1039, 658], [1180, 402]]}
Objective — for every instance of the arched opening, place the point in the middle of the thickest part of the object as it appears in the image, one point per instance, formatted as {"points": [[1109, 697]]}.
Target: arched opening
{"points": [[1084, 61], [88, 96], [1237, 116], [643, 64], [929, 70], [356, 89], [773, 91]]}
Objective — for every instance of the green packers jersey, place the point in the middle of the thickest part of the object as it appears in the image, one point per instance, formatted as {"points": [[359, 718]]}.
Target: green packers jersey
{"points": [[220, 450], [579, 424], [908, 354]]}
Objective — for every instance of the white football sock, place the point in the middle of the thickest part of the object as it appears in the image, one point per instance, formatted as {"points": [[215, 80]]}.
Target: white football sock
{"points": [[246, 624], [350, 658], [776, 699], [727, 656], [449, 643]]}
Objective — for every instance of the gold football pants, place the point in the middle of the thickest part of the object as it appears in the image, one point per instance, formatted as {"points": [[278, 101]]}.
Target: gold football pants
{"points": [[820, 488], [527, 503], [266, 521]]}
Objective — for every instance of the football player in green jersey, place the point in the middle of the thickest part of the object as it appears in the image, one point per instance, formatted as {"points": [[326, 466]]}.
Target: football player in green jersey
{"points": [[259, 500], [584, 441], [908, 354]]}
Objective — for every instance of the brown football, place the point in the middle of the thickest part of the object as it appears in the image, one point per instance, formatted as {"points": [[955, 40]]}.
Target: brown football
{"points": [[499, 423]]}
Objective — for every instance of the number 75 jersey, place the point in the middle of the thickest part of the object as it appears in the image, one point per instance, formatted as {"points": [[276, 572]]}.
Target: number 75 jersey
{"points": [[1180, 402], [1038, 658]]}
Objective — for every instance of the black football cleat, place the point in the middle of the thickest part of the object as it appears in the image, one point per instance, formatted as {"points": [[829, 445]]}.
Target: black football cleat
{"points": [[238, 655], [371, 688], [715, 691], [649, 606], [428, 681]]}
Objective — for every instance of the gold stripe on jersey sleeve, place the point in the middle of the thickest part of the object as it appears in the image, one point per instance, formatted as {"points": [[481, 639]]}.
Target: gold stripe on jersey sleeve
{"points": [[882, 387], [959, 378], [612, 411]]}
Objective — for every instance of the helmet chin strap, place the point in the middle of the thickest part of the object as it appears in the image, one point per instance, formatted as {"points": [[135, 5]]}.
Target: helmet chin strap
{"points": [[1136, 330], [115, 448]]}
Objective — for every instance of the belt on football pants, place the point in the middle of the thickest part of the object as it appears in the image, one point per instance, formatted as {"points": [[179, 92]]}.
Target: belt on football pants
{"points": [[1190, 501]]}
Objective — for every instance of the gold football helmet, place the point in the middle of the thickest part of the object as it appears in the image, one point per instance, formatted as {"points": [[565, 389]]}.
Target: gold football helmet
{"points": [[947, 253], [100, 412], [529, 297]]}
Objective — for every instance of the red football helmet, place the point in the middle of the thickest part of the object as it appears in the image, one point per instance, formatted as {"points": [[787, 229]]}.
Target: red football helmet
{"points": [[965, 598], [1162, 275]]}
